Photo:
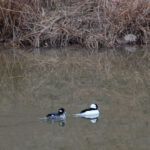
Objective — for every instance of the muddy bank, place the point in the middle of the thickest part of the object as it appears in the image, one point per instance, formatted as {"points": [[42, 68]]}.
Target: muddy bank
{"points": [[58, 23]]}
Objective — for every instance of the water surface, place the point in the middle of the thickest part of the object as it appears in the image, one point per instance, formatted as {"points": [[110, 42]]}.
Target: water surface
{"points": [[38, 82]]}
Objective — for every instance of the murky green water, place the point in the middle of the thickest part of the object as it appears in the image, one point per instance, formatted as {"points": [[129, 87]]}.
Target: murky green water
{"points": [[33, 84]]}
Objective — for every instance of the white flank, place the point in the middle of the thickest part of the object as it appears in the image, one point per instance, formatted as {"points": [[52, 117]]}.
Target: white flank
{"points": [[88, 114], [63, 116]]}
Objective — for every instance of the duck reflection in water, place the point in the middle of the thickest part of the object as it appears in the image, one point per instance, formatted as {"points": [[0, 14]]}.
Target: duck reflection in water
{"points": [[94, 120], [60, 122]]}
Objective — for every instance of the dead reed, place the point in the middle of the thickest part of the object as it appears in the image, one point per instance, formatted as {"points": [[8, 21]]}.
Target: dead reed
{"points": [[58, 23]]}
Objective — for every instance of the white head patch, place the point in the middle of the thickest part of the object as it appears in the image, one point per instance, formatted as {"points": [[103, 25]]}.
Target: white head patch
{"points": [[60, 110], [93, 106]]}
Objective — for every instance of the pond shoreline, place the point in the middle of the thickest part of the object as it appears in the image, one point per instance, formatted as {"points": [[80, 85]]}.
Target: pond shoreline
{"points": [[90, 24]]}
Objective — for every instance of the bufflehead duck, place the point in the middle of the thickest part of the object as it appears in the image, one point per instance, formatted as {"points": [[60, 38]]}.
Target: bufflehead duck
{"points": [[60, 115], [90, 113]]}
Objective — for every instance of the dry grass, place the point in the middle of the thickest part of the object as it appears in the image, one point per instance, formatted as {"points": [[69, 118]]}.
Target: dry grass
{"points": [[57, 23]]}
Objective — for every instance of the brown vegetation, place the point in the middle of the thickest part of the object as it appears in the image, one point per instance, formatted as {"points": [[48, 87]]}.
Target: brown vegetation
{"points": [[89, 23]]}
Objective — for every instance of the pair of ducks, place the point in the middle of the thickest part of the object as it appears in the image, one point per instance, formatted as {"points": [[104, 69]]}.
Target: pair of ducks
{"points": [[92, 112]]}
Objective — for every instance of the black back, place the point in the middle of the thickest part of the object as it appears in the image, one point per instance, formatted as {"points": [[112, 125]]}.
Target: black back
{"points": [[52, 114], [88, 109]]}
